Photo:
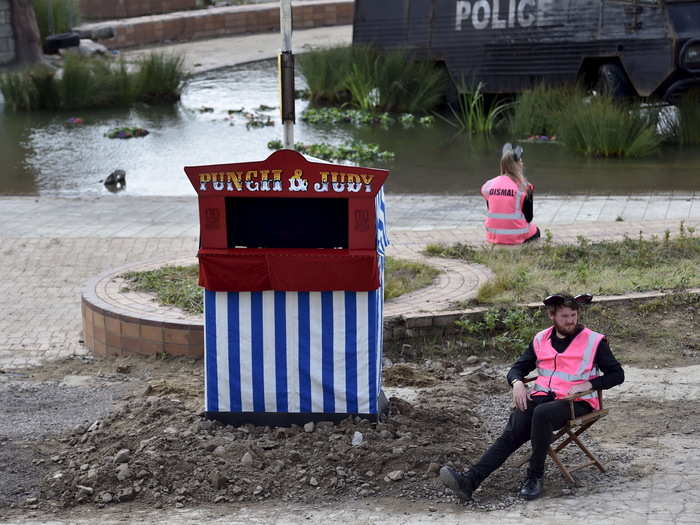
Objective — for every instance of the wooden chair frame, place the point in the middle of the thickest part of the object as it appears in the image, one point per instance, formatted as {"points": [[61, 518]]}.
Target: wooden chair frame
{"points": [[572, 430]]}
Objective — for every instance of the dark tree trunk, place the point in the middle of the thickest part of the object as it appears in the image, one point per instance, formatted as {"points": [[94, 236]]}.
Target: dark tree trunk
{"points": [[27, 38]]}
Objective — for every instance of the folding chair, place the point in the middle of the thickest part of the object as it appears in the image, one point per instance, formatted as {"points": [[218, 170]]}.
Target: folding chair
{"points": [[572, 430]]}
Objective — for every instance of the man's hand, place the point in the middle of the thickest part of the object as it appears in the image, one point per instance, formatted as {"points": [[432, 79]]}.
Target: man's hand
{"points": [[521, 396], [581, 387]]}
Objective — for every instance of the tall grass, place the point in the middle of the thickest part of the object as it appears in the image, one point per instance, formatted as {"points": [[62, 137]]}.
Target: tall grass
{"points": [[537, 111], [95, 83], [687, 126], [326, 71], [159, 78], [372, 80], [473, 114], [601, 127], [56, 16]]}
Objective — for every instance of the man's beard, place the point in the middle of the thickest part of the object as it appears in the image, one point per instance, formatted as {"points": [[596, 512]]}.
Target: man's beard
{"points": [[566, 330]]}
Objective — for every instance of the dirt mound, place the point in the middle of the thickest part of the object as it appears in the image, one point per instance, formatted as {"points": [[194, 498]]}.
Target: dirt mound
{"points": [[156, 449]]}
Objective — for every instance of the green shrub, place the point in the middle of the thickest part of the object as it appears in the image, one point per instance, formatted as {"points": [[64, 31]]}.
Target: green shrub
{"points": [[159, 78], [688, 123], [19, 92], [56, 16], [326, 71], [537, 111], [94, 83], [371, 80], [600, 127], [473, 114]]}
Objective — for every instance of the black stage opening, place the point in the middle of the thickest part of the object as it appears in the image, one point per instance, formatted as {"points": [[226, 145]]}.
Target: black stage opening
{"points": [[287, 222]]}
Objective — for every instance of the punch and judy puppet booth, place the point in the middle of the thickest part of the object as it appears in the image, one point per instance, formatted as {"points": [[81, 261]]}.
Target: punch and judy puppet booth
{"points": [[291, 260]]}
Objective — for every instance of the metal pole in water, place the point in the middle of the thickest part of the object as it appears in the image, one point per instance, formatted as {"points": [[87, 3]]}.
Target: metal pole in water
{"points": [[286, 75]]}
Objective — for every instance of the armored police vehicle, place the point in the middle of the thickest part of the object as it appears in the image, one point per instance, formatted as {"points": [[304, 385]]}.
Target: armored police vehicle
{"points": [[624, 47]]}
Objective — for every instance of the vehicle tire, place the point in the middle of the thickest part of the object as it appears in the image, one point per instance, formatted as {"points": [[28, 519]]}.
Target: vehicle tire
{"points": [[61, 41], [612, 81]]}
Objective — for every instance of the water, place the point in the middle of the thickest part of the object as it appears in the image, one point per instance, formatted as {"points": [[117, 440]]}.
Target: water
{"points": [[41, 156]]}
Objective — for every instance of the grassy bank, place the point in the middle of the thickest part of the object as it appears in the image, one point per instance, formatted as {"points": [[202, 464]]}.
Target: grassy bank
{"points": [[177, 285], [530, 272], [95, 83]]}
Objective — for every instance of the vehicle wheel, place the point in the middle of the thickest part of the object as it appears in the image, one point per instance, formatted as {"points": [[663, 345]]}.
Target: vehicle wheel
{"points": [[61, 41], [613, 82]]}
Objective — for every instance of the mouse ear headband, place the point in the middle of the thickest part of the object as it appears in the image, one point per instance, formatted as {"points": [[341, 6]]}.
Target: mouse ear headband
{"points": [[558, 298], [516, 152]]}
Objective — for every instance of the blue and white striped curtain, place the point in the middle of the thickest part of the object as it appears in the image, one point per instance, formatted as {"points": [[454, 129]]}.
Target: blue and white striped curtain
{"points": [[317, 352]]}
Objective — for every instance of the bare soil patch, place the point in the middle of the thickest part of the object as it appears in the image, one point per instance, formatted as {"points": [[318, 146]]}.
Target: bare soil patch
{"points": [[82, 434]]}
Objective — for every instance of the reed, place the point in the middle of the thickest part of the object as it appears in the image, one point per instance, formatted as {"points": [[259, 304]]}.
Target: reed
{"points": [[372, 80], [159, 78], [19, 92], [600, 127], [95, 83], [537, 111], [688, 126], [326, 71], [473, 114]]}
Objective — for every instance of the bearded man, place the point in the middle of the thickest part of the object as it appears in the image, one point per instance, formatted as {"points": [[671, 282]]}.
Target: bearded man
{"points": [[569, 359]]}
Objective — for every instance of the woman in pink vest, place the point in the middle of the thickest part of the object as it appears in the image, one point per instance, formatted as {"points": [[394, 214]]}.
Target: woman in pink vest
{"points": [[569, 358], [509, 202]]}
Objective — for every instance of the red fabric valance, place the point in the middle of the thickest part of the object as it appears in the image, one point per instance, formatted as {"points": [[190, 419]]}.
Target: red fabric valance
{"points": [[253, 270]]}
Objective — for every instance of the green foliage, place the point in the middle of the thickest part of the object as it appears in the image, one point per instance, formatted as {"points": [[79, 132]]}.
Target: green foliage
{"points": [[686, 127], [359, 118], [406, 276], [94, 83], [326, 71], [504, 330], [355, 151], [537, 111], [158, 78], [19, 91], [473, 115], [56, 16], [611, 267], [371, 80], [602, 127]]}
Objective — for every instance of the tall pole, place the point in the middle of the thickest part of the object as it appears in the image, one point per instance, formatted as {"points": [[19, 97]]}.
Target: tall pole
{"points": [[286, 75]]}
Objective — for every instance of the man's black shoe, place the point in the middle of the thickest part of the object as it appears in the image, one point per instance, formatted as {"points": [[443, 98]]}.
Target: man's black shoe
{"points": [[532, 488], [460, 483]]}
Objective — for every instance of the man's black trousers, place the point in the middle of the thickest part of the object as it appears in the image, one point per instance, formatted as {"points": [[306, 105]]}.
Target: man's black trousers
{"points": [[542, 417]]}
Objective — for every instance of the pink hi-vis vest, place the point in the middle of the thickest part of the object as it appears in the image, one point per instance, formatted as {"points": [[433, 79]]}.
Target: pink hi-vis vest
{"points": [[505, 222], [558, 372]]}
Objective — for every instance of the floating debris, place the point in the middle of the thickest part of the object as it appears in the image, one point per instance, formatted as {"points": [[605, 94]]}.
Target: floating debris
{"points": [[126, 133]]}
